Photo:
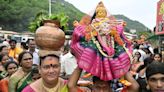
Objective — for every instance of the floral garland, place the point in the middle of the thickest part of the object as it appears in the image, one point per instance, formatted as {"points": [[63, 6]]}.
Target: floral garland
{"points": [[98, 45], [91, 32], [103, 53]]}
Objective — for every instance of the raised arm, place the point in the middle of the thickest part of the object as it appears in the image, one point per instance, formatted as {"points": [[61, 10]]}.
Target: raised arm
{"points": [[72, 83], [135, 86]]}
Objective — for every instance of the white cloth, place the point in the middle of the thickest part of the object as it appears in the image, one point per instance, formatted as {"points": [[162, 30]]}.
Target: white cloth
{"points": [[6, 43], [35, 57], [151, 50], [134, 51], [143, 55], [68, 63]]}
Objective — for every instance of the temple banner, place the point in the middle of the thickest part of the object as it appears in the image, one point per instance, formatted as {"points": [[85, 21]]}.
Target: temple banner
{"points": [[160, 18]]}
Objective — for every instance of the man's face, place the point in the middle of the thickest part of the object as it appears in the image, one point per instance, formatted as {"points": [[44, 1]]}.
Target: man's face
{"points": [[101, 86], [12, 45], [50, 69], [32, 44], [156, 82]]}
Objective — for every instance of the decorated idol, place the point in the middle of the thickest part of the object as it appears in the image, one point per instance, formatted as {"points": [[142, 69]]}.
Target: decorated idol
{"points": [[100, 46]]}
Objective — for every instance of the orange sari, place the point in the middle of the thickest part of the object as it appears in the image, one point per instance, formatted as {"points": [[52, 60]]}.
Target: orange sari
{"points": [[4, 85]]}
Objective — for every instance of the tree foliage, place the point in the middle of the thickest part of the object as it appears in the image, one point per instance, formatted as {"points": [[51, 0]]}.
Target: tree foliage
{"points": [[16, 15], [133, 24]]}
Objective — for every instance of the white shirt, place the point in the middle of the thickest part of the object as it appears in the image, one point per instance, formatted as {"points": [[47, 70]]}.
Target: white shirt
{"points": [[35, 57], [68, 63]]}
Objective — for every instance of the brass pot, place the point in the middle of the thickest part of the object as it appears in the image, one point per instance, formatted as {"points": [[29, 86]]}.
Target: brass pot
{"points": [[50, 36]]}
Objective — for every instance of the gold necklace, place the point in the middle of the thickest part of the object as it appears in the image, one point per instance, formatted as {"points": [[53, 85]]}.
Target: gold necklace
{"points": [[98, 45], [100, 49], [54, 89]]}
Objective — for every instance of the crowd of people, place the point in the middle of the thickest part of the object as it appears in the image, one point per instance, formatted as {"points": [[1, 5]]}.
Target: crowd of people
{"points": [[98, 57], [27, 71]]}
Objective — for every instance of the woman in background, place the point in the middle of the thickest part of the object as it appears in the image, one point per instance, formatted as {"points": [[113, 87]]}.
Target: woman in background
{"points": [[157, 57], [11, 67], [22, 77], [136, 63]]}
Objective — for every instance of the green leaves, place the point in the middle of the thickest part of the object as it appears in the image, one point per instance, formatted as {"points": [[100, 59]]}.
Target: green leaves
{"points": [[63, 21], [17, 15], [33, 26], [41, 16]]}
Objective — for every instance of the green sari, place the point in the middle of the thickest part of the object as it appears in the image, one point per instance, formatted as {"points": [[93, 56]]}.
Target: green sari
{"points": [[24, 82], [19, 80]]}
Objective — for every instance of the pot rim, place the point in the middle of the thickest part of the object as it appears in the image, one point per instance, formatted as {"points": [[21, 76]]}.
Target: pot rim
{"points": [[56, 22]]}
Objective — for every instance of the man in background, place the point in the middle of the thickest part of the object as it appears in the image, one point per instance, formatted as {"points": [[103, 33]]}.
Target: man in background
{"points": [[68, 62], [14, 51], [34, 51]]}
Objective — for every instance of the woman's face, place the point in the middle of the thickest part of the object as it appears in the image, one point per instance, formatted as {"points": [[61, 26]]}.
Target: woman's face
{"points": [[137, 54], [50, 69], [5, 50], [12, 68], [157, 57], [26, 61], [4, 59], [35, 76]]}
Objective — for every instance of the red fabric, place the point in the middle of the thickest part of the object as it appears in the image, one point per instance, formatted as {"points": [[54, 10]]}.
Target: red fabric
{"points": [[4, 85]]}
